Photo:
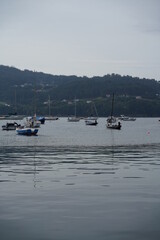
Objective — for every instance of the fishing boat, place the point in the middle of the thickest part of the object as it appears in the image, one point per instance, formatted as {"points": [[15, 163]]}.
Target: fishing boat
{"points": [[30, 128], [32, 122], [112, 122]]}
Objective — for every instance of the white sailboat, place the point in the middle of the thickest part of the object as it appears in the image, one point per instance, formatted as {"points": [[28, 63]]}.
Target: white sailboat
{"points": [[92, 120], [49, 117], [74, 118]]}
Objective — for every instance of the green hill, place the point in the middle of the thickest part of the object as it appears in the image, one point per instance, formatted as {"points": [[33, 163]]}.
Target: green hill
{"points": [[23, 91]]}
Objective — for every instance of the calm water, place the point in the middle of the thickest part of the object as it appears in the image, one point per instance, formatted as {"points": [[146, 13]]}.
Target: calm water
{"points": [[81, 182]]}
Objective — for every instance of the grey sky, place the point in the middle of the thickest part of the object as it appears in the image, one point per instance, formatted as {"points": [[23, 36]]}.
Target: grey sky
{"points": [[82, 37]]}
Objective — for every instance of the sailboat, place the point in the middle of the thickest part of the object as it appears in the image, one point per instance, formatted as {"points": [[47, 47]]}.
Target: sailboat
{"points": [[92, 120], [14, 115], [74, 118], [49, 117], [111, 120]]}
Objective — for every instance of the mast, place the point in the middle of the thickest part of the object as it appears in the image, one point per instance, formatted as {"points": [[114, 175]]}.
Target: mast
{"points": [[49, 105], [75, 108], [35, 93], [112, 106], [15, 102], [95, 109]]}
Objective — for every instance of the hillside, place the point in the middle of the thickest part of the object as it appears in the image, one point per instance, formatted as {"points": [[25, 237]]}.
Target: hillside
{"points": [[23, 91]]}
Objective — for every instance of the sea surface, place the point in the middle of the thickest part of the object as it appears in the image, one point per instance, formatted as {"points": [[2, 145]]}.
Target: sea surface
{"points": [[74, 182]]}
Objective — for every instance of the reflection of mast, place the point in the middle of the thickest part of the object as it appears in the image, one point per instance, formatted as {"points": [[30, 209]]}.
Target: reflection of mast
{"points": [[34, 177], [34, 169], [35, 101], [35, 94], [112, 145], [112, 106]]}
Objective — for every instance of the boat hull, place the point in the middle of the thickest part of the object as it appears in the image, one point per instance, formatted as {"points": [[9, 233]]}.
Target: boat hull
{"points": [[126, 118], [10, 126], [114, 126], [73, 119], [27, 131], [91, 122]]}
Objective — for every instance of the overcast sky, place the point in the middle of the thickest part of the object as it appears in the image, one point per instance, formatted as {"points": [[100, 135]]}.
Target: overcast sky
{"points": [[82, 37]]}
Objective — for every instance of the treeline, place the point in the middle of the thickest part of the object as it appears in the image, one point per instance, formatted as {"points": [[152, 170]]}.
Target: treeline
{"points": [[23, 91]]}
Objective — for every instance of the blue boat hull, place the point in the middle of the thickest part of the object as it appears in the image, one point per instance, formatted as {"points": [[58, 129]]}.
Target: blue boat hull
{"points": [[27, 131]]}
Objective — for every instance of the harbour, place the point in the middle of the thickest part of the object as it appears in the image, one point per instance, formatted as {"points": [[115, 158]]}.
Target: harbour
{"points": [[73, 181]]}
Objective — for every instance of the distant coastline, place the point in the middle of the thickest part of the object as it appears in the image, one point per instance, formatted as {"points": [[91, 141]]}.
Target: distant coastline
{"points": [[133, 96]]}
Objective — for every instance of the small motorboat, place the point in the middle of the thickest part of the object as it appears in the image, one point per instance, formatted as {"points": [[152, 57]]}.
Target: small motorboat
{"points": [[91, 122], [126, 118], [51, 118], [73, 119], [10, 126], [114, 125]]}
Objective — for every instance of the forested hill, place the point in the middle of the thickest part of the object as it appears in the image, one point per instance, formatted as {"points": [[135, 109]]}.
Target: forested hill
{"points": [[126, 88]]}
